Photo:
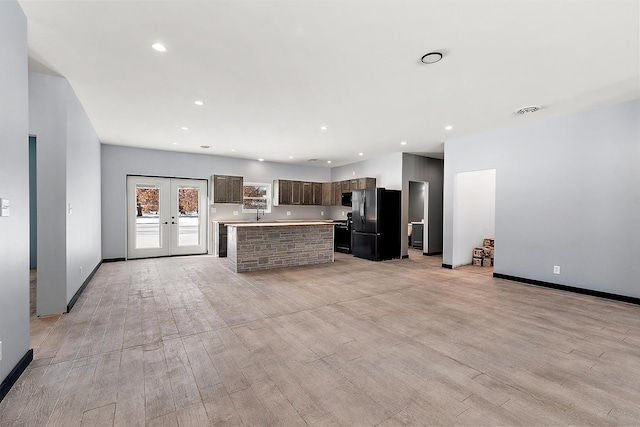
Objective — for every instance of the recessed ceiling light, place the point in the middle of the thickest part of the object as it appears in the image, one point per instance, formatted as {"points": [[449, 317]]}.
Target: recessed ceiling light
{"points": [[261, 160], [328, 161], [174, 143], [323, 127], [431, 58], [291, 157], [528, 109], [159, 47], [200, 103], [360, 154], [403, 143], [233, 149], [184, 128], [205, 146], [448, 127]]}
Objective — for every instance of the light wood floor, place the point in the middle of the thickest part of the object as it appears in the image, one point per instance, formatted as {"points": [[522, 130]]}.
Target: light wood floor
{"points": [[183, 341]]}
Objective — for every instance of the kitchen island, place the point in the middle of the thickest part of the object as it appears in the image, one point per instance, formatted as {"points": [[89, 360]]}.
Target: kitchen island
{"points": [[265, 245]]}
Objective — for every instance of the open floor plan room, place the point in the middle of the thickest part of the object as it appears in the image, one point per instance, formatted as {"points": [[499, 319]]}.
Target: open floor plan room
{"points": [[184, 341]]}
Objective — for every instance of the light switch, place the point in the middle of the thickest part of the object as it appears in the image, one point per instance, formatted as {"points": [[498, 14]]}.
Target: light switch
{"points": [[5, 206], [70, 209]]}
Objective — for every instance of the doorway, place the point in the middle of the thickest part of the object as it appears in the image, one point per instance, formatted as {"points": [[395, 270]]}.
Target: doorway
{"points": [[474, 216], [419, 215], [166, 216]]}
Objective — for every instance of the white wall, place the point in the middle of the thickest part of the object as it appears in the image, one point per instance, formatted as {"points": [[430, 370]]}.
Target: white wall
{"points": [[118, 162], [68, 153], [47, 119], [474, 213], [14, 185], [566, 194], [84, 232]]}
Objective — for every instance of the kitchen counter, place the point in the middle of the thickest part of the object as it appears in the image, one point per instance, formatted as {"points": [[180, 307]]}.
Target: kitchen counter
{"points": [[253, 246]]}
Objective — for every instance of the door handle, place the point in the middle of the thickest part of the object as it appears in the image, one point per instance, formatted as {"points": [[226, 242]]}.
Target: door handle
{"points": [[173, 222], [166, 222]]}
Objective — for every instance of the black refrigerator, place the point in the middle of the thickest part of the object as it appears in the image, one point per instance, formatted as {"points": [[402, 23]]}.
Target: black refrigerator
{"points": [[375, 231]]}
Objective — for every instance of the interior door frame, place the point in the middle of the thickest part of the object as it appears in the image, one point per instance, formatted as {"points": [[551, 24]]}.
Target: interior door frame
{"points": [[167, 218]]}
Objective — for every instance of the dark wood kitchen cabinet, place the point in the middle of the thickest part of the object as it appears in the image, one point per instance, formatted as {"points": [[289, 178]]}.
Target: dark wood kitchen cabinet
{"points": [[307, 193], [354, 185], [296, 192], [346, 186], [316, 197], [337, 193], [281, 192], [227, 189], [366, 183], [327, 194]]}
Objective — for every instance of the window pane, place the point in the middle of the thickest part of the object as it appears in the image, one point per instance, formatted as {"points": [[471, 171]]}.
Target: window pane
{"points": [[188, 221], [255, 191], [147, 219]]}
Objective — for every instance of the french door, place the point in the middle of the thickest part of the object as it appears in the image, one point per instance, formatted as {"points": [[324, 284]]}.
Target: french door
{"points": [[166, 216]]}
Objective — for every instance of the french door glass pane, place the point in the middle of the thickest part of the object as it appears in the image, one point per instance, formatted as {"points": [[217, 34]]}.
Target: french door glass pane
{"points": [[188, 219], [148, 231]]}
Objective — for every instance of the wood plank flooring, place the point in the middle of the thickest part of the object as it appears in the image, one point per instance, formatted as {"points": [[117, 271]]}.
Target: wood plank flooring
{"points": [[186, 342]]}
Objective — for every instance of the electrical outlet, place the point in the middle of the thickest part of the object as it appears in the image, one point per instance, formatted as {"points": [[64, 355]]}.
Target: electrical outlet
{"points": [[213, 210], [321, 213], [70, 209], [0, 351], [556, 269], [80, 271], [235, 213], [288, 213]]}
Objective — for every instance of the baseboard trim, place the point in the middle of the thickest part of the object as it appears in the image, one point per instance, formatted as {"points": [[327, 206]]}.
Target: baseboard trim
{"points": [[449, 266], [15, 374], [114, 259], [84, 285], [591, 292], [431, 253]]}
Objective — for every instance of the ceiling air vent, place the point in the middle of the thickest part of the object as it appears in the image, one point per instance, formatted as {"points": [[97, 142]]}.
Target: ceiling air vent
{"points": [[528, 109], [312, 160]]}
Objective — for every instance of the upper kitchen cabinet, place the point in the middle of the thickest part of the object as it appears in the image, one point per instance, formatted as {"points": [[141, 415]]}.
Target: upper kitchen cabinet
{"points": [[316, 198], [336, 197], [296, 192], [227, 189], [307, 193], [281, 192], [364, 183], [327, 193]]}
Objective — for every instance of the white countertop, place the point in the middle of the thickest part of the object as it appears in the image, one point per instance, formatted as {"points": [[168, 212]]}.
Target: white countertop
{"points": [[278, 224]]}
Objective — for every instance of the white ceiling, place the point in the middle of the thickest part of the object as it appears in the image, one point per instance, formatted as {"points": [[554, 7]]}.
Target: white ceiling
{"points": [[272, 72]]}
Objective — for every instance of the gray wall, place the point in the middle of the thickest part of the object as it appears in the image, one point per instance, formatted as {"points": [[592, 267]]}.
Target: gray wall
{"points": [[416, 201], [14, 185], [118, 162], [419, 168], [68, 169], [566, 194]]}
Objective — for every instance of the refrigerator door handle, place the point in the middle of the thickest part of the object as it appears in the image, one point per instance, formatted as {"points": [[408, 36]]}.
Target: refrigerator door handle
{"points": [[363, 210]]}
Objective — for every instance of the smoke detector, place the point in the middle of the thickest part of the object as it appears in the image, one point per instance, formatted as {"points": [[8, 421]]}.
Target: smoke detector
{"points": [[528, 109], [312, 160]]}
